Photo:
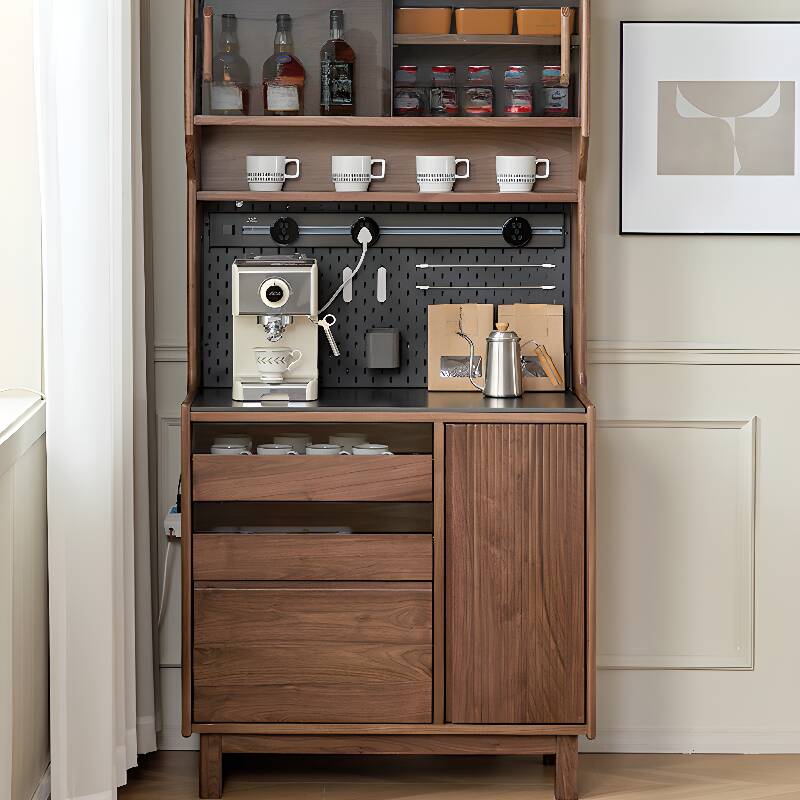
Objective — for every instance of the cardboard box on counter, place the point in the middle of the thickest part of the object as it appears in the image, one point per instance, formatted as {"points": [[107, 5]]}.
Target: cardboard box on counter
{"points": [[543, 324], [448, 353]]}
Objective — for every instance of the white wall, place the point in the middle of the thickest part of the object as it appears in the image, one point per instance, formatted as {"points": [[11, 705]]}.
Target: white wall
{"points": [[697, 538], [24, 686], [20, 218]]}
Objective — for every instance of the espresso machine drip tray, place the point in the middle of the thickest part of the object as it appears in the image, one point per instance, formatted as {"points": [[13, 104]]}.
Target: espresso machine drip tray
{"points": [[256, 390]]}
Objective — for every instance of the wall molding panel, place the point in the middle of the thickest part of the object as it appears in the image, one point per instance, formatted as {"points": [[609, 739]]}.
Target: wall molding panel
{"points": [[665, 550], [169, 353], [692, 740], [687, 354]]}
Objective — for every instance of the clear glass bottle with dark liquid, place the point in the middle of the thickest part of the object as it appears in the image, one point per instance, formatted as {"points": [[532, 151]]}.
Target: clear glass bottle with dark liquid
{"points": [[284, 78], [337, 72], [230, 88]]}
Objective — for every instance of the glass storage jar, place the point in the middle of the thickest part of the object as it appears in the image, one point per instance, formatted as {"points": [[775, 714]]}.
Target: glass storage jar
{"points": [[518, 92], [444, 94], [554, 97], [479, 92], [408, 99]]}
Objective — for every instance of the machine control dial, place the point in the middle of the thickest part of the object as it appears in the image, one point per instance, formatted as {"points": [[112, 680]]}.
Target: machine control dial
{"points": [[275, 292]]}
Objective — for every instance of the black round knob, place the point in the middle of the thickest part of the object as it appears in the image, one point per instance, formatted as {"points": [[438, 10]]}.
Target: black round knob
{"points": [[517, 231], [274, 294], [284, 230], [369, 224]]}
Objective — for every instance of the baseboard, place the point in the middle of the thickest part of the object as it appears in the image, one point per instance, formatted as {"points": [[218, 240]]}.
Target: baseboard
{"points": [[170, 738], [43, 789], [680, 740]]}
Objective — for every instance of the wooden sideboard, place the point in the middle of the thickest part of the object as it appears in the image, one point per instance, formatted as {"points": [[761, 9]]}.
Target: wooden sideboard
{"points": [[436, 601]]}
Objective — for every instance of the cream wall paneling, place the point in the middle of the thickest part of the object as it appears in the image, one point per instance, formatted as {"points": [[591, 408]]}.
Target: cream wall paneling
{"points": [[676, 509]]}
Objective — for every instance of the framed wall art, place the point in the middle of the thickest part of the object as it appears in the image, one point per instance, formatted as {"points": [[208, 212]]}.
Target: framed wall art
{"points": [[708, 127]]}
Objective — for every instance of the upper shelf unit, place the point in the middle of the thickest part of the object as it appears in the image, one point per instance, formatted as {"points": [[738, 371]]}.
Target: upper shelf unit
{"points": [[479, 40], [386, 122]]}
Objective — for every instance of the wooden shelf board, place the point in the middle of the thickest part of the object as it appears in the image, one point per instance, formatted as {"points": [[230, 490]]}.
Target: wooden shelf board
{"points": [[389, 197], [387, 122], [478, 39]]}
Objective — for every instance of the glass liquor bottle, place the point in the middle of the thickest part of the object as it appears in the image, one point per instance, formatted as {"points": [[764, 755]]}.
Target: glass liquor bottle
{"points": [[337, 72], [284, 75], [230, 89]]}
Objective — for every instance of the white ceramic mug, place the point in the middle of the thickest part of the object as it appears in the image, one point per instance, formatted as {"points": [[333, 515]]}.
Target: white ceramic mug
{"points": [[371, 449], [240, 439], [520, 173], [439, 173], [229, 450], [274, 362], [268, 173], [275, 450], [354, 173], [296, 441], [326, 449], [348, 440]]}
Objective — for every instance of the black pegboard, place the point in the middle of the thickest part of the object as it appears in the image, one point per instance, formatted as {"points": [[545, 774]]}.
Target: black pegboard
{"points": [[405, 307]]}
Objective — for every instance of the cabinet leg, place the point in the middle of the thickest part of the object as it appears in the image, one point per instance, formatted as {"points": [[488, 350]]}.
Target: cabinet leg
{"points": [[210, 765], [549, 759], [566, 787]]}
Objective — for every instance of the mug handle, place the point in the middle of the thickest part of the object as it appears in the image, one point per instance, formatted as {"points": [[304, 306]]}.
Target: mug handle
{"points": [[296, 359], [345, 453], [245, 453], [382, 162], [387, 453], [292, 453], [546, 162], [296, 162], [462, 161]]}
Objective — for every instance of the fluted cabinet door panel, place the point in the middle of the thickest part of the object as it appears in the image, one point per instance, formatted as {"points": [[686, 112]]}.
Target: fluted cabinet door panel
{"points": [[515, 501]]}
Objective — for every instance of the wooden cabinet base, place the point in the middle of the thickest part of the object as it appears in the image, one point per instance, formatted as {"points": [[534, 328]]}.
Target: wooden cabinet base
{"points": [[212, 747]]}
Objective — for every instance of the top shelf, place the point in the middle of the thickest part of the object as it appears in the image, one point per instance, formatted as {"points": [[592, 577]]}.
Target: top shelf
{"points": [[386, 122], [476, 39]]}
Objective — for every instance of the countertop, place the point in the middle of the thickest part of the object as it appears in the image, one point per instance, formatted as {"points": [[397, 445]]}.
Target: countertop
{"points": [[408, 400]]}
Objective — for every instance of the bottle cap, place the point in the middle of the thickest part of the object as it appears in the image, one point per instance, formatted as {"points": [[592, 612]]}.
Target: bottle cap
{"points": [[229, 22], [337, 15], [284, 22]]}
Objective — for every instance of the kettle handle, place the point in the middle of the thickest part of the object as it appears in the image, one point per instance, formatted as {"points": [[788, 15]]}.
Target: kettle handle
{"points": [[471, 358]]}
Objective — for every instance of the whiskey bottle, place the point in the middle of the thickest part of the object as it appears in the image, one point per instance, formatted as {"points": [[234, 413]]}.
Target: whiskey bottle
{"points": [[283, 75], [230, 88], [337, 72]]}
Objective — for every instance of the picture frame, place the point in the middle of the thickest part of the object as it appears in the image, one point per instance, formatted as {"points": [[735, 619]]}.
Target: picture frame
{"points": [[709, 131]]}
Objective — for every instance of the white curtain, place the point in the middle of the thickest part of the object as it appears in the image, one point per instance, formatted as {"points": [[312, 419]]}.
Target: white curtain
{"points": [[88, 100]]}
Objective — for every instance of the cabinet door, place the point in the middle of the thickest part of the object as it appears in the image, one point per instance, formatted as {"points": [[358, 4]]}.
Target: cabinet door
{"points": [[515, 573]]}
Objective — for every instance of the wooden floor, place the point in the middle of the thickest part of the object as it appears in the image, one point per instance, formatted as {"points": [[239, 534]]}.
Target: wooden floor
{"points": [[171, 775]]}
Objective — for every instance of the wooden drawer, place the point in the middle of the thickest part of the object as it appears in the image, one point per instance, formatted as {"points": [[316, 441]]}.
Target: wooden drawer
{"points": [[312, 557], [313, 652], [339, 478]]}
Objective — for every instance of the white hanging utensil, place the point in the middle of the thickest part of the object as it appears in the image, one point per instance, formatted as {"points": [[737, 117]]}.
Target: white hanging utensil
{"points": [[380, 288]]}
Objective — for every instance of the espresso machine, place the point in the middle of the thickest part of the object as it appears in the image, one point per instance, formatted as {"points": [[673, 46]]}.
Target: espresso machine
{"points": [[275, 328]]}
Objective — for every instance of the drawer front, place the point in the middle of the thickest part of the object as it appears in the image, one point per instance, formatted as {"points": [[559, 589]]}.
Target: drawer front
{"points": [[336, 478], [312, 557], [302, 652]]}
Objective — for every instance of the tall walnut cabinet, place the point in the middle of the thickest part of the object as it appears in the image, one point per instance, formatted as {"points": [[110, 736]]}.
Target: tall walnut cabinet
{"points": [[458, 615]]}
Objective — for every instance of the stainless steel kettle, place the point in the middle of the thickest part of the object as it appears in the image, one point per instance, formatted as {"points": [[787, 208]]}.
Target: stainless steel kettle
{"points": [[503, 363]]}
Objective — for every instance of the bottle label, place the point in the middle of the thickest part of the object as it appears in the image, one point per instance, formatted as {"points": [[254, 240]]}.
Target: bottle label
{"points": [[336, 78], [226, 97], [282, 98]]}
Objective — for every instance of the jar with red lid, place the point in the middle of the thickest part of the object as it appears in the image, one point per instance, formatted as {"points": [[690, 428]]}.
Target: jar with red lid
{"points": [[554, 96], [479, 92], [444, 94], [408, 99], [518, 92]]}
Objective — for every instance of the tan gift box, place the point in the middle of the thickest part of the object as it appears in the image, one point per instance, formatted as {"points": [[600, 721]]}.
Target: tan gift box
{"points": [[448, 353], [543, 324]]}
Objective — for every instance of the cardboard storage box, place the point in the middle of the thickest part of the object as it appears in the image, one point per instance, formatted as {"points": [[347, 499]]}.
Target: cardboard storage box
{"points": [[448, 353], [543, 324]]}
